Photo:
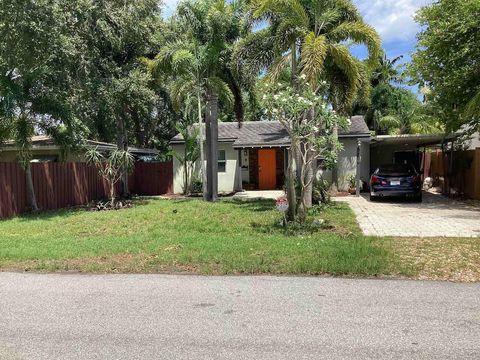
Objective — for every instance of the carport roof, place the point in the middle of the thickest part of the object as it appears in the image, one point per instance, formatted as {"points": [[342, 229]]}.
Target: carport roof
{"points": [[417, 140]]}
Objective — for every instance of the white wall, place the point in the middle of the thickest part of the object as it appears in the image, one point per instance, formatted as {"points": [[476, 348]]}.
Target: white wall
{"points": [[347, 162], [227, 181]]}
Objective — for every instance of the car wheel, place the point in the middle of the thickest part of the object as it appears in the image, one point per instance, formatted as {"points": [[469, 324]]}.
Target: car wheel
{"points": [[373, 198]]}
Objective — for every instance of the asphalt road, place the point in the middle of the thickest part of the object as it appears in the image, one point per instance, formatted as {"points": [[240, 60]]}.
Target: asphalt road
{"points": [[194, 317]]}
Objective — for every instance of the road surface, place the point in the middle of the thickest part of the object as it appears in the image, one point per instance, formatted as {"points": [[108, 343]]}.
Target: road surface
{"points": [[259, 317]]}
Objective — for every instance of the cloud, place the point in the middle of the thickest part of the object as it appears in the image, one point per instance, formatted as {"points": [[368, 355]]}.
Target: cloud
{"points": [[393, 19]]}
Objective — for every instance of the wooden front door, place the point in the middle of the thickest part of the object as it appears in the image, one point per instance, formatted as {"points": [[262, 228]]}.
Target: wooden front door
{"points": [[267, 175]]}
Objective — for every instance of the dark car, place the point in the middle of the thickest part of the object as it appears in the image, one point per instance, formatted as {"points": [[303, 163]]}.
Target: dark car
{"points": [[396, 180]]}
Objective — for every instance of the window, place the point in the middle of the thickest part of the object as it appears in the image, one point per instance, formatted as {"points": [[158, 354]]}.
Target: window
{"points": [[222, 161]]}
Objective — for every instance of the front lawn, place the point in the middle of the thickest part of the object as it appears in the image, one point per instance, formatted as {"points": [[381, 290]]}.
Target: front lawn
{"points": [[193, 236]]}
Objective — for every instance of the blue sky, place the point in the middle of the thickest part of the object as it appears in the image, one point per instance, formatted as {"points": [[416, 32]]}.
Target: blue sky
{"points": [[393, 20]]}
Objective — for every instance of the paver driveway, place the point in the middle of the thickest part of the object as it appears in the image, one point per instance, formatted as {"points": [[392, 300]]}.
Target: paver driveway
{"points": [[436, 216]]}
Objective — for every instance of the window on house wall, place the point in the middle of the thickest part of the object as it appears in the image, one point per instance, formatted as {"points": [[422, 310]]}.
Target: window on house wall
{"points": [[222, 161]]}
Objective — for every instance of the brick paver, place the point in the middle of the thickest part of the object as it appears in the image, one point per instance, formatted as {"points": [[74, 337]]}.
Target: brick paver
{"points": [[436, 216]]}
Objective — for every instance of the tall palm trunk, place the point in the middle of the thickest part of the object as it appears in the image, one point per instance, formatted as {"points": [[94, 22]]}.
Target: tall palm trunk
{"points": [[292, 153], [202, 154], [31, 198], [212, 145]]}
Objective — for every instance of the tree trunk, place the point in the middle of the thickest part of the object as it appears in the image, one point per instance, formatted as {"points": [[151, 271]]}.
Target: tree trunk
{"points": [[122, 144], [202, 154], [212, 146], [291, 193], [310, 170], [335, 167], [112, 195], [31, 198]]}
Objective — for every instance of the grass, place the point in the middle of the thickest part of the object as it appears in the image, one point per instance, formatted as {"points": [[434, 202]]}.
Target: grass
{"points": [[223, 238]]}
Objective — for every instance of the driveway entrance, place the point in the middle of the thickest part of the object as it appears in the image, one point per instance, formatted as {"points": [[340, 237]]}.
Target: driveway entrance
{"points": [[436, 216]]}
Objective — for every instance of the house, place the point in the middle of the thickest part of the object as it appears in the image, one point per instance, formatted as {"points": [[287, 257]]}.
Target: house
{"points": [[253, 155], [44, 149]]}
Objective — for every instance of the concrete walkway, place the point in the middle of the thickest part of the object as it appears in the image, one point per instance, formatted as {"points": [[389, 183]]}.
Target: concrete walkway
{"points": [[259, 195], [436, 216], [258, 317]]}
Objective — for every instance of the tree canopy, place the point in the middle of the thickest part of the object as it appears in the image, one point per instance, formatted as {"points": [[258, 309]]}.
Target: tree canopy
{"points": [[446, 61]]}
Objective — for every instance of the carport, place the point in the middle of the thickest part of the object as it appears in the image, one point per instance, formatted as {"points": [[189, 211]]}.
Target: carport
{"points": [[406, 149]]}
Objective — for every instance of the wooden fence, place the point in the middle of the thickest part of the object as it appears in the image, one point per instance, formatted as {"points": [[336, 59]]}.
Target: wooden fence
{"points": [[457, 172], [59, 185]]}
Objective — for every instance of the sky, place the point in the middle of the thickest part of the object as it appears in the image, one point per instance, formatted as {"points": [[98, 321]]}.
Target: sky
{"points": [[393, 20]]}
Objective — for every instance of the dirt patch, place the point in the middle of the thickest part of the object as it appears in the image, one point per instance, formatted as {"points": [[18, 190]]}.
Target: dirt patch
{"points": [[441, 258]]}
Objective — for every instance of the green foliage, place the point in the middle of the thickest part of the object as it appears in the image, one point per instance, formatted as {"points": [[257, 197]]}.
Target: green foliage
{"points": [[396, 110], [111, 167], [71, 67], [446, 60], [321, 191], [310, 126], [306, 118], [309, 38], [190, 155], [196, 57]]}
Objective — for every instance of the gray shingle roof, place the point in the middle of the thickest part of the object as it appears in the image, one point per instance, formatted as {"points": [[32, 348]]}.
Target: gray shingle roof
{"points": [[271, 133], [39, 141]]}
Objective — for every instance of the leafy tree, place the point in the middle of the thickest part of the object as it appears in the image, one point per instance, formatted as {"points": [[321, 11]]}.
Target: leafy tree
{"points": [[116, 99], [446, 59], [38, 58], [397, 110], [310, 126], [308, 38]]}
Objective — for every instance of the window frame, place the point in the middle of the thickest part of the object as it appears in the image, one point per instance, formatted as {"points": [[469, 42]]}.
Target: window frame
{"points": [[222, 162]]}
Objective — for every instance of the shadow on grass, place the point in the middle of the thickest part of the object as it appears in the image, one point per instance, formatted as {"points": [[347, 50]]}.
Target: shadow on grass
{"points": [[254, 205], [69, 211]]}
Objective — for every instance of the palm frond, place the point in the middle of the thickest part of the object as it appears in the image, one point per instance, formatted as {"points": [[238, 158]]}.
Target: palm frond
{"points": [[180, 89], [350, 69], [291, 11], [221, 88], [314, 51], [278, 67], [359, 33], [256, 51]]}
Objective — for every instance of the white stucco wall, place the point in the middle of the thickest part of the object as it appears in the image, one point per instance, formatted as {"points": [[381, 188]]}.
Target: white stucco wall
{"points": [[347, 162], [227, 181]]}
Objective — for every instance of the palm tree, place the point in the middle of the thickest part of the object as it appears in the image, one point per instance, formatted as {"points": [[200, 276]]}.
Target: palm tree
{"points": [[311, 38], [386, 71], [197, 62]]}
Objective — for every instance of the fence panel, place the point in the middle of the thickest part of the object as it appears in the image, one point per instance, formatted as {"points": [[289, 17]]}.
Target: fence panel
{"points": [[59, 185], [154, 178]]}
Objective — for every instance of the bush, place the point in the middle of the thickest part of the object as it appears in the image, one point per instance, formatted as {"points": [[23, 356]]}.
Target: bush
{"points": [[321, 191], [196, 186]]}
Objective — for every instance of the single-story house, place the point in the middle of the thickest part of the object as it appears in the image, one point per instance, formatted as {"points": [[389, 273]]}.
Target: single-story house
{"points": [[253, 155], [44, 149]]}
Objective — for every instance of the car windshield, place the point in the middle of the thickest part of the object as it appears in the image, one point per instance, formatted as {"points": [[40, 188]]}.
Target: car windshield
{"points": [[396, 170]]}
